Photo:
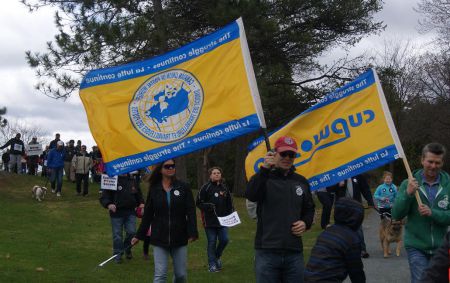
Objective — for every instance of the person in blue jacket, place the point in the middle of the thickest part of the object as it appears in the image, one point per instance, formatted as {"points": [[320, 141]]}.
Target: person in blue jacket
{"points": [[385, 195], [55, 165]]}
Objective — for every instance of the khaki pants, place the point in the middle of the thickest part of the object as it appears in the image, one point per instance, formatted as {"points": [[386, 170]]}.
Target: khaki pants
{"points": [[69, 171]]}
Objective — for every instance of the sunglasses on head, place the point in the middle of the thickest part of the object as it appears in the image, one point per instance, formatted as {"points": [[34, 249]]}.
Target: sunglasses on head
{"points": [[169, 166], [289, 154]]}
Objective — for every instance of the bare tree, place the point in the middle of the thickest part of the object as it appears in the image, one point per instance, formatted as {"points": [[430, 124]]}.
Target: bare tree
{"points": [[436, 18], [27, 131]]}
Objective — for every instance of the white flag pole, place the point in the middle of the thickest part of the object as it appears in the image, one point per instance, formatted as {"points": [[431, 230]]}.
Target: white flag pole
{"points": [[390, 122], [252, 81]]}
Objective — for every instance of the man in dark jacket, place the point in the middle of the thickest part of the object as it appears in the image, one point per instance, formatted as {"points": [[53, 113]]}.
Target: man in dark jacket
{"points": [[54, 142], [336, 253], [121, 205], [68, 169], [33, 159], [354, 188], [285, 211], [16, 152]]}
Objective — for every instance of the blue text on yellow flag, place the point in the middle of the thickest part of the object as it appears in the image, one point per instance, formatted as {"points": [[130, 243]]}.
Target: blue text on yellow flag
{"points": [[348, 132], [196, 96]]}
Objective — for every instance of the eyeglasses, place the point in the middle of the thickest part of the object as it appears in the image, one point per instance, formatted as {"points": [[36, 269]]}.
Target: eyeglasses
{"points": [[169, 166], [289, 154]]}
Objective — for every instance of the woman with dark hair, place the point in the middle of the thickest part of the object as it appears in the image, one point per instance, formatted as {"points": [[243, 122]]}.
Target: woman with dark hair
{"points": [[170, 210], [214, 199]]}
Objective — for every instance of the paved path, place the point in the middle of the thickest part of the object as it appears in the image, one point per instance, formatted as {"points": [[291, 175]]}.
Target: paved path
{"points": [[378, 269]]}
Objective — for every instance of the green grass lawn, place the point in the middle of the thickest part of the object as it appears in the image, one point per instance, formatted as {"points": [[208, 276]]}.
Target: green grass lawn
{"points": [[69, 236]]}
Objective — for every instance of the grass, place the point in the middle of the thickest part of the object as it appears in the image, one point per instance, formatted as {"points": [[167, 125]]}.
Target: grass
{"points": [[64, 239]]}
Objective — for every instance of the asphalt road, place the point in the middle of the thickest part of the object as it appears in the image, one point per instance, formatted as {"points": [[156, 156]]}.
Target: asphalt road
{"points": [[378, 269]]}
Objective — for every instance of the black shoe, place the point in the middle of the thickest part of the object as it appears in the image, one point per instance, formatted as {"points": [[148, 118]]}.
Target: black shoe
{"points": [[129, 255], [364, 254], [118, 260]]}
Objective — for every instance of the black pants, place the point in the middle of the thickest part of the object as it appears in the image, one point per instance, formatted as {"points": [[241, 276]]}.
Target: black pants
{"points": [[32, 168], [85, 179], [326, 199]]}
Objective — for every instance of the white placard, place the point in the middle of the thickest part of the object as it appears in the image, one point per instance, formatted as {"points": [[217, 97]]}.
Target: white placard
{"points": [[17, 147], [108, 183], [230, 220], [34, 149]]}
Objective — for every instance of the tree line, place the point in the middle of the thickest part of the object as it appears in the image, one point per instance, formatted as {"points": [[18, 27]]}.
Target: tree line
{"points": [[286, 39]]}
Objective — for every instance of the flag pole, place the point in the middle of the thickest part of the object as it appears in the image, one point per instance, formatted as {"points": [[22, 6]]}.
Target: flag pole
{"points": [[410, 176], [266, 139], [394, 134]]}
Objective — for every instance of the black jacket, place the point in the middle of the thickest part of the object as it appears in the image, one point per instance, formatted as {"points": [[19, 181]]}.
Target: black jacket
{"points": [[127, 197], [17, 146], [214, 199], [282, 200], [337, 252], [360, 187], [438, 271], [70, 152], [170, 226]]}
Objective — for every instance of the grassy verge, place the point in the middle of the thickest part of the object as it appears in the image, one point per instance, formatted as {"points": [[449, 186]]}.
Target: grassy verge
{"points": [[64, 239]]}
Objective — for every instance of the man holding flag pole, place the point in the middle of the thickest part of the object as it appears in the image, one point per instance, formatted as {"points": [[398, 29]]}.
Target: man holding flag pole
{"points": [[285, 211], [428, 220]]}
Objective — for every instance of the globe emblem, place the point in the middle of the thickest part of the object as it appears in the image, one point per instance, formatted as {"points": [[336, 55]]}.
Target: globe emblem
{"points": [[166, 106]]}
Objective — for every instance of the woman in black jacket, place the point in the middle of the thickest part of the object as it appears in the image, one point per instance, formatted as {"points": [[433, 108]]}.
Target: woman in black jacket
{"points": [[214, 199], [170, 210]]}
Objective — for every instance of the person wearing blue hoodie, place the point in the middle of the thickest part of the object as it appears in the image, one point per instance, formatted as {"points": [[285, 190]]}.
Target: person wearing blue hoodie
{"points": [[385, 195], [55, 165]]}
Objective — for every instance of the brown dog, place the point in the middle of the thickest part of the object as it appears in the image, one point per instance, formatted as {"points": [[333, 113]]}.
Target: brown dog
{"points": [[391, 232]]}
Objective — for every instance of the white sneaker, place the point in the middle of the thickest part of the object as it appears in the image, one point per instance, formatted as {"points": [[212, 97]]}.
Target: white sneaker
{"points": [[58, 194], [53, 191]]}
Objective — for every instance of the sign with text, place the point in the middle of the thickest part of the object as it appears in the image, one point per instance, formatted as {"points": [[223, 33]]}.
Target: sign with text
{"points": [[108, 183], [230, 220], [34, 149]]}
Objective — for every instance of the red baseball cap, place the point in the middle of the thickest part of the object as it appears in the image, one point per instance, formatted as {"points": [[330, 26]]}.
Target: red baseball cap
{"points": [[285, 144]]}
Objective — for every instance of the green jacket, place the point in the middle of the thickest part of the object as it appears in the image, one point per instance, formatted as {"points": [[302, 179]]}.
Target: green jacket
{"points": [[422, 232]]}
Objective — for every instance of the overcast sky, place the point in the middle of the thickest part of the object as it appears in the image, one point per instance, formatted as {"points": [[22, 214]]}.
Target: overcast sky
{"points": [[21, 31]]}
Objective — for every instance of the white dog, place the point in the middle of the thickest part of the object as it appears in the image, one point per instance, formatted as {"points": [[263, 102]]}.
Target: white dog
{"points": [[38, 192]]}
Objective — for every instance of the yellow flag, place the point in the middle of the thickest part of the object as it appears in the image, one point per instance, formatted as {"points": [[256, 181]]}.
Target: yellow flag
{"points": [[348, 132], [196, 96]]}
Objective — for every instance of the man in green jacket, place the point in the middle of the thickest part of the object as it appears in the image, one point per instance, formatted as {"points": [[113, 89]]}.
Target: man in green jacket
{"points": [[427, 224]]}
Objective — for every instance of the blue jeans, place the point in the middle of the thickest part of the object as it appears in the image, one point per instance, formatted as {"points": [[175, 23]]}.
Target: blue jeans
{"points": [[161, 259], [56, 177], [274, 266], [118, 225], [215, 250], [418, 262]]}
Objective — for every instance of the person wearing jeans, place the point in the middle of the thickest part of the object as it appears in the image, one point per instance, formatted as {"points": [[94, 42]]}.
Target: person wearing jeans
{"points": [[427, 222], [55, 165], [285, 211], [161, 256], [215, 200], [170, 210], [122, 204], [16, 152]]}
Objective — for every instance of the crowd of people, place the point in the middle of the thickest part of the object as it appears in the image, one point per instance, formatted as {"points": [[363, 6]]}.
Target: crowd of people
{"points": [[282, 203], [56, 160]]}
